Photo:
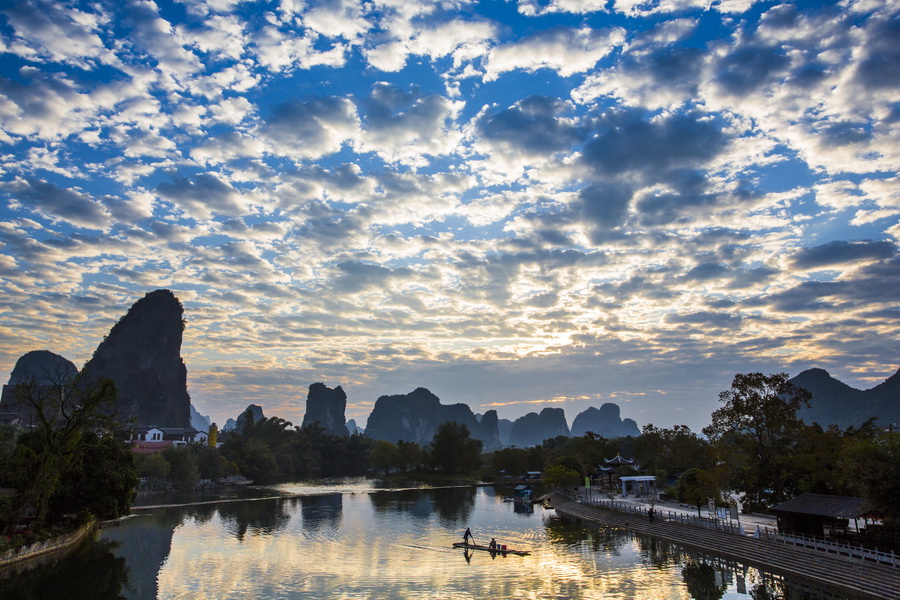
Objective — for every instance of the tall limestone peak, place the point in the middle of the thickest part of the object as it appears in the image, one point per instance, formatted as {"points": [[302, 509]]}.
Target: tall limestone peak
{"points": [[326, 407], [142, 355], [533, 428], [414, 417], [605, 421]]}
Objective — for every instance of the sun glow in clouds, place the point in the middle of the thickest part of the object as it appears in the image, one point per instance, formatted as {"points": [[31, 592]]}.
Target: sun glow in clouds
{"points": [[500, 201]]}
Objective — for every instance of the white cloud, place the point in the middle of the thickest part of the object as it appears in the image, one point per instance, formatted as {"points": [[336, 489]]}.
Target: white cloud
{"points": [[311, 128], [337, 18], [565, 50], [51, 31]]}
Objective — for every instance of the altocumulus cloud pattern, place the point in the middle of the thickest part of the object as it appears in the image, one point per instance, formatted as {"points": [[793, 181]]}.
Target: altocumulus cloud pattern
{"points": [[511, 203]]}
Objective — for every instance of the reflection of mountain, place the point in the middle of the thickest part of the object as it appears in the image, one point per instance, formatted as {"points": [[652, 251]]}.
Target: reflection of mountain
{"points": [[260, 517], [453, 506], [321, 512], [144, 543], [92, 571]]}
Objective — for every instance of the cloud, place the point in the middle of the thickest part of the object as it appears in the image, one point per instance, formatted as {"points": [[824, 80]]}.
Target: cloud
{"points": [[629, 143], [356, 276], [605, 204], [565, 50], [531, 126], [203, 196], [662, 77], [58, 204], [51, 31], [707, 319], [403, 126], [842, 252], [312, 127]]}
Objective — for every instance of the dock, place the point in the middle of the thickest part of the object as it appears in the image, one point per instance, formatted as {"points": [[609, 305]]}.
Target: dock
{"points": [[850, 575]]}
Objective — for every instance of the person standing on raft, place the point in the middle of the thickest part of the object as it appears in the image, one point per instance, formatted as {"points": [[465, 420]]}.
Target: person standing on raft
{"points": [[468, 536]]}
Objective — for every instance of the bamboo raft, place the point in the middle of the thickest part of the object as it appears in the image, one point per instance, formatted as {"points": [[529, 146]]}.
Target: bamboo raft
{"points": [[499, 549]]}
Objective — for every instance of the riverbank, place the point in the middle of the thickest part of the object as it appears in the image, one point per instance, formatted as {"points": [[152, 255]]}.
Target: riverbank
{"points": [[49, 548], [853, 576]]}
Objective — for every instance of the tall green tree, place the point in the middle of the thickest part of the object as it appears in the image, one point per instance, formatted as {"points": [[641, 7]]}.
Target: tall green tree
{"points": [[384, 457], [872, 466], [454, 450], [64, 410], [755, 431], [100, 481], [561, 476]]}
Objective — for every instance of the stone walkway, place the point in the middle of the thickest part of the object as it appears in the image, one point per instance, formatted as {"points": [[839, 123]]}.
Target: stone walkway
{"points": [[858, 577]]}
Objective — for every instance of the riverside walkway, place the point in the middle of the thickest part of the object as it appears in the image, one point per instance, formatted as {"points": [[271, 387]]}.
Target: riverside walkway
{"points": [[857, 577]]}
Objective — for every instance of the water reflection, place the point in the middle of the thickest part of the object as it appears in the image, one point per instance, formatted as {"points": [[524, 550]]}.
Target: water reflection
{"points": [[262, 517], [393, 544], [90, 572], [321, 511], [452, 506], [144, 543], [703, 582]]}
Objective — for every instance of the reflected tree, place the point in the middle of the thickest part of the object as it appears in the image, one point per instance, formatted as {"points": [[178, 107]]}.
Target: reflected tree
{"points": [[700, 579], [264, 517], [91, 572]]}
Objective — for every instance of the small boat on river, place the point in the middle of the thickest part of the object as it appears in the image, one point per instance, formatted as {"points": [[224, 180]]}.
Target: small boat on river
{"points": [[499, 549]]}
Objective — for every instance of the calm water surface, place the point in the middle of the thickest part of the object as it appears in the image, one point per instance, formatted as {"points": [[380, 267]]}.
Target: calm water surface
{"points": [[346, 540]]}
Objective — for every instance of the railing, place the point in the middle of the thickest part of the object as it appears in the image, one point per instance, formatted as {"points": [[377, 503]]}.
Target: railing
{"points": [[667, 515], [851, 551]]}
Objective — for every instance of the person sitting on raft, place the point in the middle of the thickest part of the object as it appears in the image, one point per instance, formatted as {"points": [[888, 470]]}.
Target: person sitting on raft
{"points": [[493, 544]]}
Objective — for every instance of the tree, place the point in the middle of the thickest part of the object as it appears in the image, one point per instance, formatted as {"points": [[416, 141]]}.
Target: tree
{"points": [[183, 469], [874, 465], [453, 450], [754, 433], [210, 464], [412, 455], [100, 481], [384, 457], [153, 465], [560, 476], [696, 486], [64, 408]]}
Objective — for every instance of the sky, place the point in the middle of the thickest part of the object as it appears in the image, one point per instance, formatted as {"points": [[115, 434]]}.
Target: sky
{"points": [[515, 204]]}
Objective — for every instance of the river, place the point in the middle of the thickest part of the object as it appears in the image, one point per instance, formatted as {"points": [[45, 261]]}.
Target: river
{"points": [[348, 540]]}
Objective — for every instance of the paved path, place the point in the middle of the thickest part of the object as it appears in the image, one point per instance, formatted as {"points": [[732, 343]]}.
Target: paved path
{"points": [[855, 576]]}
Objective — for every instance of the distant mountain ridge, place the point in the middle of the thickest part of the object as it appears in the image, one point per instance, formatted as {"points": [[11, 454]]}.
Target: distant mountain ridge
{"points": [[834, 402], [414, 417], [605, 422], [534, 428]]}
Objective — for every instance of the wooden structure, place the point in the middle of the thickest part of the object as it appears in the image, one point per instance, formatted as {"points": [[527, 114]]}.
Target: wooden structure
{"points": [[819, 515]]}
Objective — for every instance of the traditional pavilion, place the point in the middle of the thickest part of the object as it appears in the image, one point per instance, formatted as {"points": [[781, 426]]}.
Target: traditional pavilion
{"points": [[640, 484]]}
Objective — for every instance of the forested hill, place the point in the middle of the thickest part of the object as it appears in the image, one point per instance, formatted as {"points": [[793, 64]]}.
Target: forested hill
{"points": [[834, 402]]}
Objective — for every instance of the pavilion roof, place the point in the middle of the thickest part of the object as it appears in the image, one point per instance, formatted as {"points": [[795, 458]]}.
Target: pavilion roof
{"points": [[618, 460], [846, 507]]}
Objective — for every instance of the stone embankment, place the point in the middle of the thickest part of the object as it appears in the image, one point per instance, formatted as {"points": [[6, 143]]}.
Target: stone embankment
{"points": [[857, 577], [54, 545]]}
